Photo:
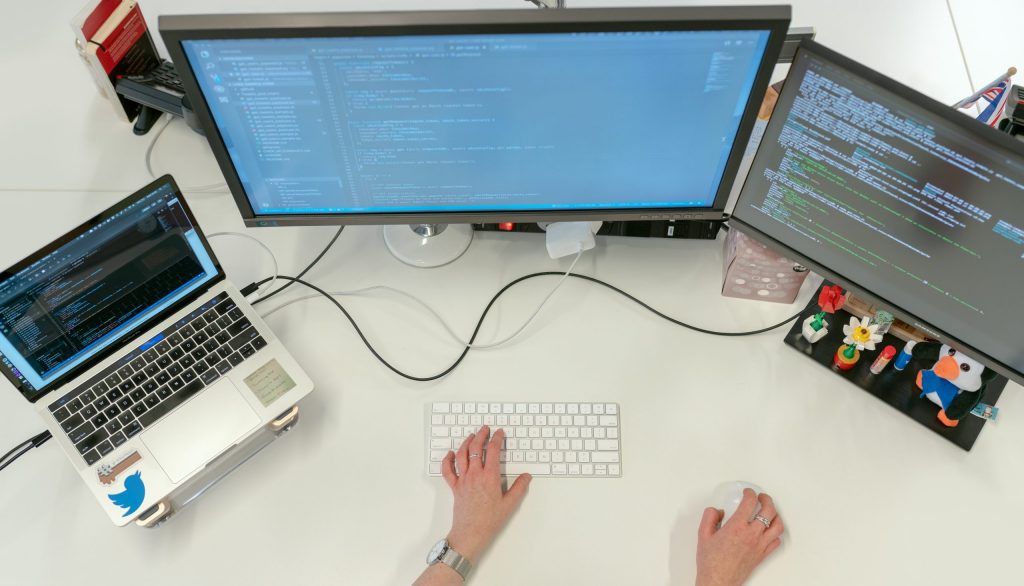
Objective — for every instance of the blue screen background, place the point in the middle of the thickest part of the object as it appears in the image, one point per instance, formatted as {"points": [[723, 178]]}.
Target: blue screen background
{"points": [[479, 122]]}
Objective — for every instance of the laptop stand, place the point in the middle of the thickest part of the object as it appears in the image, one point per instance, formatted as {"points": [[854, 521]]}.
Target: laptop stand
{"points": [[218, 469]]}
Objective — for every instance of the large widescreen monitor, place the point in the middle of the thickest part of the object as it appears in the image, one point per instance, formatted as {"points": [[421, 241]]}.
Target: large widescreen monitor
{"points": [[899, 198], [478, 116]]}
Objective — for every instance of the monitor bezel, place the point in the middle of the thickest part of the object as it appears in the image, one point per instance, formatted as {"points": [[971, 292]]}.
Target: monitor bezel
{"points": [[992, 136], [141, 328], [178, 28]]}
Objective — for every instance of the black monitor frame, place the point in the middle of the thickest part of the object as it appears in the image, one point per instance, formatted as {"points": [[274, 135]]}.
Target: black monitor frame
{"points": [[991, 136], [179, 28]]}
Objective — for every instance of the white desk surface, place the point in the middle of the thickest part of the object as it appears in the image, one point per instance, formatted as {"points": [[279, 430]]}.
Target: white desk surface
{"points": [[869, 496]]}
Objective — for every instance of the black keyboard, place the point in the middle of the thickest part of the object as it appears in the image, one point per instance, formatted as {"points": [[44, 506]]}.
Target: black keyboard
{"points": [[158, 376]]}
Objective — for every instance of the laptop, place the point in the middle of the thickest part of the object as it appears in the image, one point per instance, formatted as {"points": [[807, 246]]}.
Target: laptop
{"points": [[144, 361]]}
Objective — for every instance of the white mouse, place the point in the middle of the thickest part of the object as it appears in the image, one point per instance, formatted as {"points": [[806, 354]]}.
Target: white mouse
{"points": [[727, 496]]}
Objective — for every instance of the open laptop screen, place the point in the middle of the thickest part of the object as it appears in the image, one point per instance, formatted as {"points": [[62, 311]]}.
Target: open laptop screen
{"points": [[99, 282]]}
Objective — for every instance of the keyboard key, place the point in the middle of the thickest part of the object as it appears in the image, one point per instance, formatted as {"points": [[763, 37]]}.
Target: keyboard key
{"points": [[90, 441], [88, 397], [517, 468], [162, 378], [238, 327], [104, 448], [176, 383], [151, 370], [201, 367], [163, 347], [125, 371], [137, 395], [113, 380], [117, 439], [61, 414], [150, 386], [164, 361], [222, 337], [72, 422], [247, 351], [100, 420], [198, 323], [187, 361], [81, 432], [224, 321], [211, 330], [210, 375], [91, 457], [75, 406], [139, 408], [609, 420], [174, 370], [114, 426], [125, 403], [213, 359], [604, 457], [259, 343], [176, 353], [187, 331], [174, 339], [133, 428], [125, 418], [225, 306], [150, 355], [235, 359], [102, 403], [188, 345], [126, 386], [138, 364], [100, 388], [188, 376], [224, 351], [170, 403], [244, 338], [200, 338], [211, 316], [236, 314], [163, 392], [211, 345], [151, 400]]}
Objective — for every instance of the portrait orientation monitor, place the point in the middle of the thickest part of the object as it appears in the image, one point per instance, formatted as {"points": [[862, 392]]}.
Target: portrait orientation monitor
{"points": [[478, 116], [899, 198]]}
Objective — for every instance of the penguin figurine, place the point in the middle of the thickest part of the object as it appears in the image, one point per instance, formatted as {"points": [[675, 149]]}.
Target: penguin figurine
{"points": [[955, 383]]}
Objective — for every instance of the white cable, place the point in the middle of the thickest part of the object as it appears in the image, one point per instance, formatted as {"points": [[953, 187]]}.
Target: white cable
{"points": [[448, 328], [273, 259], [211, 187]]}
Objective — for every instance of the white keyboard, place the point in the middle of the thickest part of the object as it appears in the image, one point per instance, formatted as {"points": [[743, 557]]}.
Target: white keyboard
{"points": [[566, 440]]}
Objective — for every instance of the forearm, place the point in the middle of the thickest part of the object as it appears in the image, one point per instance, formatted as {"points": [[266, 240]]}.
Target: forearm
{"points": [[438, 575]]}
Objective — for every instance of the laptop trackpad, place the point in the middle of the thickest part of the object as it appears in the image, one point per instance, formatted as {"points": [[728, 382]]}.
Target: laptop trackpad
{"points": [[190, 437]]}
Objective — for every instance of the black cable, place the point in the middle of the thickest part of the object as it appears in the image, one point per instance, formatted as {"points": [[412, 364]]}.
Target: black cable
{"points": [[487, 309], [32, 442], [263, 298]]}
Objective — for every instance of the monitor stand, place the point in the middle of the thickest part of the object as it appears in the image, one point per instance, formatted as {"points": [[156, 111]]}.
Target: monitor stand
{"points": [[428, 245]]}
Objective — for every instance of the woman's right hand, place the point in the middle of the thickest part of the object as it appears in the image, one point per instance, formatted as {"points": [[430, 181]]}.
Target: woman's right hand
{"points": [[726, 556]]}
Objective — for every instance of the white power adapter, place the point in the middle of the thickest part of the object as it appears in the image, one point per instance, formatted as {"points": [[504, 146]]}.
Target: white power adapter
{"points": [[566, 238]]}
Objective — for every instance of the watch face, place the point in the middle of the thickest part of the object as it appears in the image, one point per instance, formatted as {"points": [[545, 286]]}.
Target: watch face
{"points": [[437, 551]]}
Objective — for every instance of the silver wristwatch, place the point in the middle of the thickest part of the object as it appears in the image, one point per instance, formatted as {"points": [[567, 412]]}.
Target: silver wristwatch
{"points": [[444, 554]]}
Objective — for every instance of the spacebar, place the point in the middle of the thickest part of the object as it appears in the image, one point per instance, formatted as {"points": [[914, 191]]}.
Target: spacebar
{"points": [[517, 468], [167, 405]]}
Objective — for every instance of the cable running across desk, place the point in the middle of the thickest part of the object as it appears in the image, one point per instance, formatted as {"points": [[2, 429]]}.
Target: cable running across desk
{"points": [[483, 316]]}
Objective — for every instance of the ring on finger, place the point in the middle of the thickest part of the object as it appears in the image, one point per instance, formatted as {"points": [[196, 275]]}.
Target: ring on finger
{"points": [[763, 520], [474, 455]]}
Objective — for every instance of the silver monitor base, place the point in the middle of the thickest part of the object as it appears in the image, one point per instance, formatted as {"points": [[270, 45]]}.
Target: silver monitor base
{"points": [[428, 245]]}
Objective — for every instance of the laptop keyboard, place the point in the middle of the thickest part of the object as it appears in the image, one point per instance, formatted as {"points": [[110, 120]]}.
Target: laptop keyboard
{"points": [[157, 376]]}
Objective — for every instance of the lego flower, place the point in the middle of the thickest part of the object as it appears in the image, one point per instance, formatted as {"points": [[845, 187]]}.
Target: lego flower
{"points": [[831, 299], [860, 334]]}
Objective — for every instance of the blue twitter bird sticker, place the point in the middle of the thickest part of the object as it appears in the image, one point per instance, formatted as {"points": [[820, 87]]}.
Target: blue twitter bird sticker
{"points": [[132, 496]]}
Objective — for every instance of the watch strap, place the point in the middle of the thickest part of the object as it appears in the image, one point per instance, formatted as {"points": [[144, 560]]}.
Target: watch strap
{"points": [[455, 561]]}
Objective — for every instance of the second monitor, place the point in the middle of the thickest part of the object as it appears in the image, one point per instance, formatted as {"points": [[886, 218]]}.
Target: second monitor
{"points": [[478, 116]]}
